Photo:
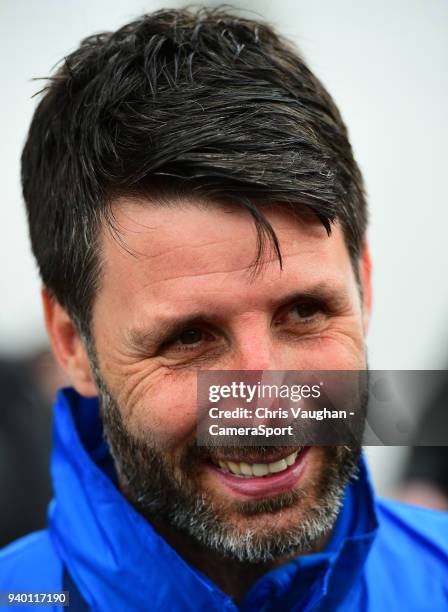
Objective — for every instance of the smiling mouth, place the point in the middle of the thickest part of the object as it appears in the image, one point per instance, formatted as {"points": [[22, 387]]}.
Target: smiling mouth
{"points": [[255, 470]]}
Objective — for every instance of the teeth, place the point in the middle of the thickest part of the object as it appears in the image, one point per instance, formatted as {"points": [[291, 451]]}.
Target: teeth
{"points": [[278, 466], [234, 467], [258, 470], [291, 458], [246, 469]]}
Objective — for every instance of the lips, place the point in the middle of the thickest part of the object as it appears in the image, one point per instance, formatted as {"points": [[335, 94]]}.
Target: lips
{"points": [[266, 479], [258, 469]]}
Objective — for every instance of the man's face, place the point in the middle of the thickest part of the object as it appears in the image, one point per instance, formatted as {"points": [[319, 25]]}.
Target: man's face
{"points": [[179, 294]]}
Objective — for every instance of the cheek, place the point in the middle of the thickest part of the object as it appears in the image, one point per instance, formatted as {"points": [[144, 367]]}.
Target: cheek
{"points": [[168, 410], [335, 350]]}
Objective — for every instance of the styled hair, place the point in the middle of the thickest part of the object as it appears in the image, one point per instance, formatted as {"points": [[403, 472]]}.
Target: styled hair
{"points": [[199, 104]]}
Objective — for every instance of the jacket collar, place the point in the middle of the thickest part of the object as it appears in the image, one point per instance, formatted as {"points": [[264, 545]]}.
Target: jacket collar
{"points": [[120, 562]]}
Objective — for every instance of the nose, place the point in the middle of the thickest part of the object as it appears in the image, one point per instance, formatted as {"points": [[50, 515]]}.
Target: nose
{"points": [[259, 354], [260, 359], [254, 356], [254, 346]]}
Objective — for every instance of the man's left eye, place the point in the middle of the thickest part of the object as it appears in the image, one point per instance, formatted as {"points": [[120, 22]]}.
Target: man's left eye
{"points": [[305, 310]]}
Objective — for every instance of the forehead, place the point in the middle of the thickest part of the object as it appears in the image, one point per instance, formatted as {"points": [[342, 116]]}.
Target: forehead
{"points": [[170, 255]]}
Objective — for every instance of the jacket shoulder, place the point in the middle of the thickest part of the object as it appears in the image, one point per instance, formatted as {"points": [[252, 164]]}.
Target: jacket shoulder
{"points": [[408, 561], [30, 563], [425, 530]]}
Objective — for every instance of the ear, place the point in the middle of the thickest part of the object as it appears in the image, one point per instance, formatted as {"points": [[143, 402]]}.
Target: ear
{"points": [[67, 345], [365, 275]]}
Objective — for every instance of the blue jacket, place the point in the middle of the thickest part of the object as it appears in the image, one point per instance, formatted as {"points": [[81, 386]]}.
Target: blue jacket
{"points": [[383, 555]]}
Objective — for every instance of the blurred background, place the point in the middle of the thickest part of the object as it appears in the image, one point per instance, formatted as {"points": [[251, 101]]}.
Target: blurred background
{"points": [[385, 64]]}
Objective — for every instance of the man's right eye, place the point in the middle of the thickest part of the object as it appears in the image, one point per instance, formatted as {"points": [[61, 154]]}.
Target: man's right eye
{"points": [[190, 336], [188, 340]]}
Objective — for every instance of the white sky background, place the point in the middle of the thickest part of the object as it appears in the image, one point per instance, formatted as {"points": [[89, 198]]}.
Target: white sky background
{"points": [[385, 62]]}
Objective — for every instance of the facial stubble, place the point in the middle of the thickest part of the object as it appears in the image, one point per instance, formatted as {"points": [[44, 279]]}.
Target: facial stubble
{"points": [[239, 530]]}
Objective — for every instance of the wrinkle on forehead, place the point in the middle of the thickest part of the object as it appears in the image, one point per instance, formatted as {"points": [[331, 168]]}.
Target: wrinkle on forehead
{"points": [[247, 271], [140, 230], [192, 260], [189, 253]]}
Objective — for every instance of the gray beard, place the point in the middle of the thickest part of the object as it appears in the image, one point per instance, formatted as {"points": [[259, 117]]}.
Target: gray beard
{"points": [[152, 487]]}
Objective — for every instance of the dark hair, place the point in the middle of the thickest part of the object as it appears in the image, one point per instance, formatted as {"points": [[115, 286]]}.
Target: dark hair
{"points": [[200, 104]]}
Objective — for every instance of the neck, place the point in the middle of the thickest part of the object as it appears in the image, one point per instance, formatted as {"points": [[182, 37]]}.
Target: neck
{"points": [[233, 577]]}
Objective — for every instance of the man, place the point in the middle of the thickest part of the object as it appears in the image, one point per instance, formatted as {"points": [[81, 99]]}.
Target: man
{"points": [[194, 204]]}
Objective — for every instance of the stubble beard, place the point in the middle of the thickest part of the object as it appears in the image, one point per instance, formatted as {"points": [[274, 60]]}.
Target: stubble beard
{"points": [[174, 498]]}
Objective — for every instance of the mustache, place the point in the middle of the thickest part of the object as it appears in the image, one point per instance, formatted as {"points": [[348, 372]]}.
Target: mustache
{"points": [[203, 452]]}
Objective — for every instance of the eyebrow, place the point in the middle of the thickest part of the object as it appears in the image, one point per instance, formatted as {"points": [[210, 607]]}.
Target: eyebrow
{"points": [[331, 295]]}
